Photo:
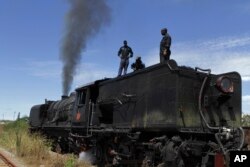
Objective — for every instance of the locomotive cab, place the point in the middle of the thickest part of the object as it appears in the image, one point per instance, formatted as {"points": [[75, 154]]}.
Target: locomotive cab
{"points": [[79, 116], [84, 114]]}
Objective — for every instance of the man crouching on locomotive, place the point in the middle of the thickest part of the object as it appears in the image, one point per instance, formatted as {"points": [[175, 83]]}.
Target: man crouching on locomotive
{"points": [[138, 64]]}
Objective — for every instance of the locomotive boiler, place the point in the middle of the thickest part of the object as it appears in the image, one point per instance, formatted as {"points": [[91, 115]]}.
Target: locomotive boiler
{"points": [[164, 114]]}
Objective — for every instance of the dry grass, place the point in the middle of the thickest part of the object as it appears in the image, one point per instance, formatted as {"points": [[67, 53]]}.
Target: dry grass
{"points": [[33, 149]]}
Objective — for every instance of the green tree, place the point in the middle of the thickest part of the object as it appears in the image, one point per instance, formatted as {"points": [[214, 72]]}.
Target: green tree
{"points": [[246, 120]]}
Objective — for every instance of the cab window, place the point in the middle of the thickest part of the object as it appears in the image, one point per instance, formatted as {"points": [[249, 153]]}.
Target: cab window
{"points": [[81, 97]]}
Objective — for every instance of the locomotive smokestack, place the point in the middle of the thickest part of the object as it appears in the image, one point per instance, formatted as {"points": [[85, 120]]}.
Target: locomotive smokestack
{"points": [[83, 21], [64, 97]]}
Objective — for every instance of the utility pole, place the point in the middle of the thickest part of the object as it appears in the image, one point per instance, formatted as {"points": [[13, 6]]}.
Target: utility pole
{"points": [[18, 116]]}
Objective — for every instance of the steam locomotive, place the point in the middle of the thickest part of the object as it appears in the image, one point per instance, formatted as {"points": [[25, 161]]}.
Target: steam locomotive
{"points": [[164, 114]]}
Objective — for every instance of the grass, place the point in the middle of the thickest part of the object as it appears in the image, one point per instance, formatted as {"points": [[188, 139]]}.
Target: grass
{"points": [[33, 149]]}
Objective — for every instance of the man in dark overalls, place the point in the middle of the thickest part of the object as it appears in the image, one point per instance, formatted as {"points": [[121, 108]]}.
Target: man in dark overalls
{"points": [[125, 52], [165, 44], [138, 65]]}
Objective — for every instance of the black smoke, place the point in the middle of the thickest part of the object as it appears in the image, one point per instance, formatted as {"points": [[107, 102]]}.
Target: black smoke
{"points": [[84, 20]]}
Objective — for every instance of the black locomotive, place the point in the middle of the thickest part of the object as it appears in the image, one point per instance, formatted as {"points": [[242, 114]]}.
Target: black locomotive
{"points": [[165, 115]]}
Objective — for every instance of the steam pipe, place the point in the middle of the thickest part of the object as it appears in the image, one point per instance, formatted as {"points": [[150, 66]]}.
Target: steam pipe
{"points": [[243, 138], [200, 96]]}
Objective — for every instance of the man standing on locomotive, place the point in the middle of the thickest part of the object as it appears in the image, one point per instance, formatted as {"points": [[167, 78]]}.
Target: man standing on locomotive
{"points": [[165, 44], [125, 52]]}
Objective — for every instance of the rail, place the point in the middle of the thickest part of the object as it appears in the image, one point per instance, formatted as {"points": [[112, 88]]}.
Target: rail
{"points": [[4, 161]]}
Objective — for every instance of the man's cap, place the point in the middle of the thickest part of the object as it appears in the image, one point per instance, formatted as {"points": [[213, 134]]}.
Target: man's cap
{"points": [[164, 29]]}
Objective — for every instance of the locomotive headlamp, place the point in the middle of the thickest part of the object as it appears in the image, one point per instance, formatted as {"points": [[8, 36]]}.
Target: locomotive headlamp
{"points": [[225, 84]]}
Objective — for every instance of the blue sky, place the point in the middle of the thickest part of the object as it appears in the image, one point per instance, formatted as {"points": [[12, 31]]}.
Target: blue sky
{"points": [[206, 33]]}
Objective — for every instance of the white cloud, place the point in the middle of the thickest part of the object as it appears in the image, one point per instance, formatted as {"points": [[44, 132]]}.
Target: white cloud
{"points": [[90, 72], [246, 78], [44, 69], [86, 72], [226, 43], [246, 99], [243, 7]]}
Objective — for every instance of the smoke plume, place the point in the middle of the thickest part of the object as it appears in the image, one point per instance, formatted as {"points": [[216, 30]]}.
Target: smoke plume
{"points": [[84, 19]]}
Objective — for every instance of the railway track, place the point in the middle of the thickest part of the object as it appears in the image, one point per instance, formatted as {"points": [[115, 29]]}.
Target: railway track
{"points": [[5, 162]]}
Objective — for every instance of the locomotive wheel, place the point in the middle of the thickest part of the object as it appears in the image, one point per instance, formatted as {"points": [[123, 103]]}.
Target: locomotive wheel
{"points": [[99, 155]]}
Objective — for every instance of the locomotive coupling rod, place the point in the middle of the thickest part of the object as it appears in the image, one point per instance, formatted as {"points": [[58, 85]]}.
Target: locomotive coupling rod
{"points": [[119, 154], [128, 95]]}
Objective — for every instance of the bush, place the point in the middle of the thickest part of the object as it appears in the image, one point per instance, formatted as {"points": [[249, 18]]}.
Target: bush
{"points": [[246, 120], [16, 138], [33, 148]]}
